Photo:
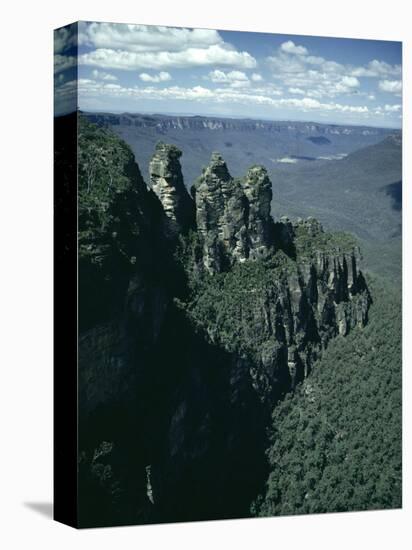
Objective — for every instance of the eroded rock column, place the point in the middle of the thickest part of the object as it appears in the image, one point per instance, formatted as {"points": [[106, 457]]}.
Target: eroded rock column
{"points": [[166, 180]]}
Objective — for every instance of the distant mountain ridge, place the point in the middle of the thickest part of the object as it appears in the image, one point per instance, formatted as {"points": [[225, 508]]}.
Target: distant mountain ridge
{"points": [[164, 123]]}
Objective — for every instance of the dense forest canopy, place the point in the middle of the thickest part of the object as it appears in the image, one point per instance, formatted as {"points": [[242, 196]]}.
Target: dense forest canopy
{"points": [[336, 442]]}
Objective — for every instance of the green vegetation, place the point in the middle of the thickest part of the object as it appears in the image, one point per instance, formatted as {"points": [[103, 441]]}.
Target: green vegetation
{"points": [[102, 157], [226, 303], [111, 226], [105, 187], [336, 443], [311, 239]]}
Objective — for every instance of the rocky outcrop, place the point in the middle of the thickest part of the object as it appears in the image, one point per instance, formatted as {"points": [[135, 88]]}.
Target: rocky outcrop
{"points": [[257, 188], [232, 215], [285, 311], [324, 297], [220, 216], [166, 180]]}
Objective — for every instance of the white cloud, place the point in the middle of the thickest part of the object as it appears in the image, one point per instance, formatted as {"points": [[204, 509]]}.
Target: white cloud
{"points": [[227, 78], [163, 76], [219, 95], [101, 75], [88, 83], [392, 108], [291, 47], [350, 82], [240, 84], [146, 38], [256, 77], [268, 89], [192, 57], [64, 38], [237, 75], [318, 84], [112, 87], [217, 76], [377, 69], [297, 91], [283, 64], [131, 47], [63, 62], [346, 85], [287, 160], [65, 97], [314, 60], [320, 78], [391, 86]]}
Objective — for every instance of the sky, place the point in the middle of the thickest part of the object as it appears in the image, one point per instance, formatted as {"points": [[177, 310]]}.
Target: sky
{"points": [[151, 69]]}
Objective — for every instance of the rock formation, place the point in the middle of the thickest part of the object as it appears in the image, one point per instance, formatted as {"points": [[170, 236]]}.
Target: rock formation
{"points": [[258, 191], [220, 216], [232, 215], [166, 180]]}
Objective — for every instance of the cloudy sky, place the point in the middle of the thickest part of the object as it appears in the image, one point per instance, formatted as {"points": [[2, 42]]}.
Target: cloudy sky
{"points": [[153, 69]]}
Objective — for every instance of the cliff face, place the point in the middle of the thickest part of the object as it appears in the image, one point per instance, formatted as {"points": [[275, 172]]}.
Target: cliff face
{"points": [[127, 278], [164, 123], [211, 313], [282, 312]]}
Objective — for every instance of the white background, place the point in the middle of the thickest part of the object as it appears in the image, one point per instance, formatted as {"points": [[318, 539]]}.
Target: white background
{"points": [[26, 272]]}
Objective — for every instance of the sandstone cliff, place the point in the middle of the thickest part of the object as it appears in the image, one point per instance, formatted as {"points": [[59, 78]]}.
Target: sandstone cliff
{"points": [[166, 180], [232, 215]]}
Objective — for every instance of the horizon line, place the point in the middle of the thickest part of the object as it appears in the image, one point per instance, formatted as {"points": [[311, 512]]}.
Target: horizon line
{"points": [[233, 117]]}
